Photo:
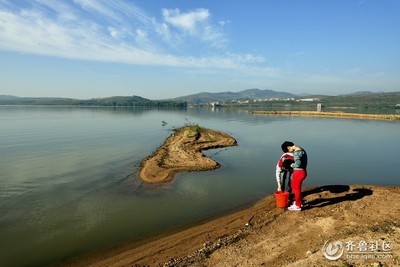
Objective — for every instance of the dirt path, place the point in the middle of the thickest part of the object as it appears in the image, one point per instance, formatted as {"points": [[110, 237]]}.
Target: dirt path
{"points": [[277, 237], [182, 152]]}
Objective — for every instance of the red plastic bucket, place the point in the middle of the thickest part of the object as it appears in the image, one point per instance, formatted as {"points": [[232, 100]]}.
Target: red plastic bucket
{"points": [[282, 199]]}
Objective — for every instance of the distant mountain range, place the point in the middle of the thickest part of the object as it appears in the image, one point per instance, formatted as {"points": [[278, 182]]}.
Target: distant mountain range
{"points": [[359, 98], [190, 99], [226, 96]]}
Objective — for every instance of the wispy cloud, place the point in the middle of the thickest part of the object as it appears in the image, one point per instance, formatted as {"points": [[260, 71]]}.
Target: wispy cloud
{"points": [[115, 31], [195, 23], [189, 21]]}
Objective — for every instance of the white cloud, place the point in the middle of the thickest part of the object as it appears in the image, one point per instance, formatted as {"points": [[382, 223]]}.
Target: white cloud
{"points": [[196, 23], [186, 21], [30, 32], [62, 11], [98, 7], [113, 32], [162, 29]]}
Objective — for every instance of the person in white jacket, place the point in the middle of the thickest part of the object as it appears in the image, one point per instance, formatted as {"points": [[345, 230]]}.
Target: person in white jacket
{"points": [[284, 172]]}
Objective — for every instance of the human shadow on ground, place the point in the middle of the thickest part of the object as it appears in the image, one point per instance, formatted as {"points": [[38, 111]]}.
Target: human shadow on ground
{"points": [[356, 193]]}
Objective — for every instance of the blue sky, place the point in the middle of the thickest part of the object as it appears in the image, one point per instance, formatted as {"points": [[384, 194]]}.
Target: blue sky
{"points": [[164, 49]]}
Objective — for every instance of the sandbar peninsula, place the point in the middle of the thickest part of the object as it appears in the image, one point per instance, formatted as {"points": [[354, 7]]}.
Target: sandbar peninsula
{"points": [[182, 152]]}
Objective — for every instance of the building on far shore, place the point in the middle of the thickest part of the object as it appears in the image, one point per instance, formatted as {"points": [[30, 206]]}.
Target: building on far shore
{"points": [[319, 107], [307, 99]]}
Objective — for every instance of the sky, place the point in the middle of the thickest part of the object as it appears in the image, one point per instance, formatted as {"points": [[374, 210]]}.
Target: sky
{"points": [[164, 49]]}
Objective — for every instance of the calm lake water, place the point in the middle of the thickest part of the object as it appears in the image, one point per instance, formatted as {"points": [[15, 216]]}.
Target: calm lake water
{"points": [[69, 184]]}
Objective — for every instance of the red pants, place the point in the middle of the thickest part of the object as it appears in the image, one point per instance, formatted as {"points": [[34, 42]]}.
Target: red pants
{"points": [[297, 180]]}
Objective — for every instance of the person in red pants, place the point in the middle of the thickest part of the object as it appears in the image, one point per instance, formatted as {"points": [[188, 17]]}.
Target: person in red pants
{"points": [[299, 171]]}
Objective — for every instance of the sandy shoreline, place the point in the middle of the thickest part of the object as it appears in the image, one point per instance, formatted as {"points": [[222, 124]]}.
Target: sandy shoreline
{"points": [[330, 114], [275, 237]]}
